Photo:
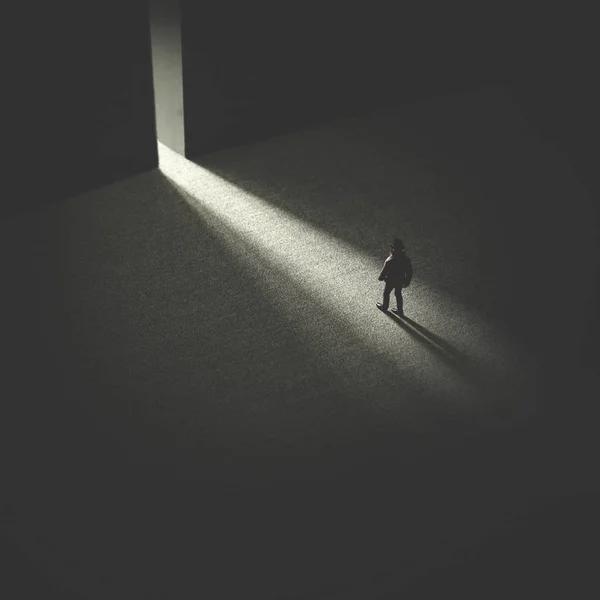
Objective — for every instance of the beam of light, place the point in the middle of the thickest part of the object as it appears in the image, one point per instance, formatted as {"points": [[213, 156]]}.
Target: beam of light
{"points": [[340, 288]]}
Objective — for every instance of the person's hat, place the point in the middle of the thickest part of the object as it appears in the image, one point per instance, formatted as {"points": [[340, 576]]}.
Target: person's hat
{"points": [[398, 244]]}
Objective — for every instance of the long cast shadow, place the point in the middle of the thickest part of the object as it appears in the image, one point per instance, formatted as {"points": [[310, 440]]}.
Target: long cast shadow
{"points": [[447, 353]]}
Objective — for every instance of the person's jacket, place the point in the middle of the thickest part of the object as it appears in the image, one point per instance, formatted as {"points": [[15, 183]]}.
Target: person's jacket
{"points": [[397, 269]]}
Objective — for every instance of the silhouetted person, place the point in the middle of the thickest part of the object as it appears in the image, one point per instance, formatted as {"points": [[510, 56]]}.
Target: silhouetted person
{"points": [[397, 273]]}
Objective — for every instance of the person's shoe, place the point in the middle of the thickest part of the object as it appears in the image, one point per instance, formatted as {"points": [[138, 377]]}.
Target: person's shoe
{"points": [[400, 313], [381, 307]]}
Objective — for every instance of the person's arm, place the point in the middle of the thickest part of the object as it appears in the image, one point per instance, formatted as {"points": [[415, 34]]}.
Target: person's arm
{"points": [[384, 271], [409, 272]]}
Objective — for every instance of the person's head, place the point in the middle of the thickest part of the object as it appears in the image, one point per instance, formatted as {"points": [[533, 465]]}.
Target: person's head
{"points": [[397, 246]]}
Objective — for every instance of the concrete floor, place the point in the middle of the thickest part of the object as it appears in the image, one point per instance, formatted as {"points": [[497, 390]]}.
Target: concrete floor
{"points": [[202, 399]]}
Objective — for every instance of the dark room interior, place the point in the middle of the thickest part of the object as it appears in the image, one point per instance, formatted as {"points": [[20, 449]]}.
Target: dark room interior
{"points": [[200, 398]]}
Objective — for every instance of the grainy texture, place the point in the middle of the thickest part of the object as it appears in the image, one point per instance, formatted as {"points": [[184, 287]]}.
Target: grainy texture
{"points": [[203, 401]]}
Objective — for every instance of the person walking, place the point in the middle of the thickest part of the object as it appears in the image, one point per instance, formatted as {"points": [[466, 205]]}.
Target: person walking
{"points": [[397, 273]]}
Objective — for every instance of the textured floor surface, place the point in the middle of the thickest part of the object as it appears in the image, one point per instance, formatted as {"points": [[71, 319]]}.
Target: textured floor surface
{"points": [[203, 401]]}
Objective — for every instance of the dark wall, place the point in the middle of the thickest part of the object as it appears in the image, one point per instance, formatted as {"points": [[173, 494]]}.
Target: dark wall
{"points": [[254, 72], [78, 92], [80, 99]]}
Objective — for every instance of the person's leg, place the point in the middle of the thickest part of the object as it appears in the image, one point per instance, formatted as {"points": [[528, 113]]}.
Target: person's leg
{"points": [[399, 302], [386, 295]]}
